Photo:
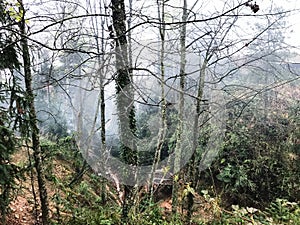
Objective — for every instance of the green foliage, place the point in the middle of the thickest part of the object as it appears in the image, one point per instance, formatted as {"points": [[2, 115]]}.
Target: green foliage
{"points": [[11, 111], [279, 212], [82, 203], [8, 47], [8, 54], [64, 149], [10, 121], [258, 162], [284, 212], [151, 215], [8, 171], [147, 121], [96, 216]]}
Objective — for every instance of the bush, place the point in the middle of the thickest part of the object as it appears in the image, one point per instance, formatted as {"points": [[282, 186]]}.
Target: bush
{"points": [[259, 161]]}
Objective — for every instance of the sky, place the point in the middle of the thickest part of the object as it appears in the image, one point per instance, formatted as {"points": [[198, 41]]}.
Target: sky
{"points": [[293, 20]]}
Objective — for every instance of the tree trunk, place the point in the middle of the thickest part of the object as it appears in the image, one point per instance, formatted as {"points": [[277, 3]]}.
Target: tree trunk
{"points": [[163, 126], [191, 167], [102, 100], [178, 148], [125, 107], [37, 154]]}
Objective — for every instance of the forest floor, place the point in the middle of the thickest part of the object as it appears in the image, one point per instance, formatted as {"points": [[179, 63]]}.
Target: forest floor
{"points": [[22, 209], [22, 206]]}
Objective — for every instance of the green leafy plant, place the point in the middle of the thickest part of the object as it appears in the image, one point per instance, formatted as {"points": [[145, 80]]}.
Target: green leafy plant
{"points": [[283, 211], [258, 162]]}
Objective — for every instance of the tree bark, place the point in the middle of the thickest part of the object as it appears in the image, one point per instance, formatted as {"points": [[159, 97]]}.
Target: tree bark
{"points": [[37, 154], [163, 122], [191, 167], [102, 111], [125, 107], [178, 148]]}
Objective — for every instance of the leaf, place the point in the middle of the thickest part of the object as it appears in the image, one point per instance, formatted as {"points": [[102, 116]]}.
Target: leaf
{"points": [[204, 192], [176, 177], [251, 210], [235, 207], [191, 190]]}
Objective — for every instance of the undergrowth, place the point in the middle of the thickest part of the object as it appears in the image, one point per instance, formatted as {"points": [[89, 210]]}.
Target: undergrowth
{"points": [[83, 202]]}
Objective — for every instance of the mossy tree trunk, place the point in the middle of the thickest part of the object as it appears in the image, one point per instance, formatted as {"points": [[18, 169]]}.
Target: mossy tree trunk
{"points": [[125, 102]]}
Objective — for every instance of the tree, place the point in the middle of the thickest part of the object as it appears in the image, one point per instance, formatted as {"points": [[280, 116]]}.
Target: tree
{"points": [[8, 54], [11, 101], [125, 107], [182, 75], [34, 130]]}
